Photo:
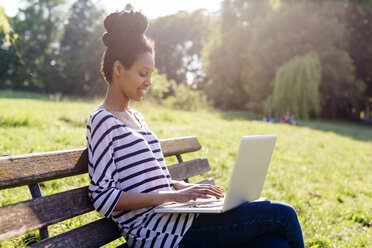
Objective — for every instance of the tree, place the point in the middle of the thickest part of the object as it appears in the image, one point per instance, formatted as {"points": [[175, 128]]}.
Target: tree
{"points": [[358, 25], [178, 42], [297, 29], [81, 50], [5, 27], [30, 56], [296, 87], [6, 32], [224, 55]]}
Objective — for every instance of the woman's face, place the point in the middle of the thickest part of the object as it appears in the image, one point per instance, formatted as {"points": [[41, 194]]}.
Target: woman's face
{"points": [[135, 81]]}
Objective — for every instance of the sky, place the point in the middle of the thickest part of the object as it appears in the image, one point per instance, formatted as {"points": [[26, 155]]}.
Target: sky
{"points": [[151, 8]]}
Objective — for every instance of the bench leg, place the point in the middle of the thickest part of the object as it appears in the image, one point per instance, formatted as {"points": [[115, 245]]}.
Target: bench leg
{"points": [[180, 160], [36, 193]]}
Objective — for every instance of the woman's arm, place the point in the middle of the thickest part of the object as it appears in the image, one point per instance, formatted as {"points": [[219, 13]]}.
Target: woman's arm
{"points": [[180, 184], [130, 201]]}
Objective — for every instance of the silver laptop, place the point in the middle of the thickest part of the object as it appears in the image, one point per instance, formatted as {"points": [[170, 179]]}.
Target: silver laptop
{"points": [[246, 180]]}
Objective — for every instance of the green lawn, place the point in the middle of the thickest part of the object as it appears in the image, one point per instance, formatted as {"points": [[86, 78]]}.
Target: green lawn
{"points": [[323, 169]]}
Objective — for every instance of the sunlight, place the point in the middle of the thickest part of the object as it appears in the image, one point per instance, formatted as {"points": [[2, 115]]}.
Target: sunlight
{"points": [[275, 3], [153, 9]]}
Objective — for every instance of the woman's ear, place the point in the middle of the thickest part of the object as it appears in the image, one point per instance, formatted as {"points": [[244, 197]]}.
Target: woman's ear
{"points": [[118, 68]]}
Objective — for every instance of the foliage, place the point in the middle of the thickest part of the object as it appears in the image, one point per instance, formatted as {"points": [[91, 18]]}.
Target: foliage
{"points": [[252, 39], [298, 29], [178, 40], [321, 168], [339, 89], [233, 56], [160, 86], [81, 51], [55, 58], [185, 99], [29, 58], [6, 28], [296, 86], [358, 25], [224, 55]]}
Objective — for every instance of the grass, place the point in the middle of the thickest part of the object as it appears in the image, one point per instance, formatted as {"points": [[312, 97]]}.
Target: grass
{"points": [[322, 168]]}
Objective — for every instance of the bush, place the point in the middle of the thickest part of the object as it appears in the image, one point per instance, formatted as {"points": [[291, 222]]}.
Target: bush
{"points": [[185, 99], [160, 86]]}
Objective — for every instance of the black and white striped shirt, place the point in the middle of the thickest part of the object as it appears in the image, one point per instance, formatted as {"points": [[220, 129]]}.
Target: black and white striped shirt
{"points": [[124, 159]]}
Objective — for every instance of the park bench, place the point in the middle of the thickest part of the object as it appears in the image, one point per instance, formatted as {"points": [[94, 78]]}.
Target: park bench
{"points": [[32, 169]]}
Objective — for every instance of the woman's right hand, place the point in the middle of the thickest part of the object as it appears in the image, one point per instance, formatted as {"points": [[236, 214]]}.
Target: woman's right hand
{"points": [[203, 191]]}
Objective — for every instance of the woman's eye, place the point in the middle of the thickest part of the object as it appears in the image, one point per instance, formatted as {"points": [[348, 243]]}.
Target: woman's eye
{"points": [[142, 74]]}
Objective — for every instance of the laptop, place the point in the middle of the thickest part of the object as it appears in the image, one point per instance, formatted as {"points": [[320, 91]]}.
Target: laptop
{"points": [[246, 180]]}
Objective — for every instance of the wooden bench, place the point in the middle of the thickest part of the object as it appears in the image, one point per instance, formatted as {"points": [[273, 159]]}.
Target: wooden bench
{"points": [[31, 169]]}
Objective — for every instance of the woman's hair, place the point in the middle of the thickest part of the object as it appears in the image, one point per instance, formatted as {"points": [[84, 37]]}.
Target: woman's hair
{"points": [[125, 40]]}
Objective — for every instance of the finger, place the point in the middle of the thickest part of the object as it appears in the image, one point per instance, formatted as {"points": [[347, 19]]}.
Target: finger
{"points": [[204, 190], [216, 188], [213, 186], [202, 196], [210, 192]]}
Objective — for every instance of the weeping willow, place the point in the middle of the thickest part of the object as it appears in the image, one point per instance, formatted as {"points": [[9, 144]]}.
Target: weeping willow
{"points": [[296, 87]]}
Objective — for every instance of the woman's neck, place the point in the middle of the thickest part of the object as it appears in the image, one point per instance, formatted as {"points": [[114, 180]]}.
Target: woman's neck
{"points": [[115, 100]]}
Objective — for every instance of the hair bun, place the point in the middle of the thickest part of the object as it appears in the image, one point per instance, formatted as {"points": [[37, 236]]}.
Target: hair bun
{"points": [[107, 39], [123, 25]]}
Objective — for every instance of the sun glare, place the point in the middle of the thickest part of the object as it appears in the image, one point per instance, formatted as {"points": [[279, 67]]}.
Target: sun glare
{"points": [[154, 9]]}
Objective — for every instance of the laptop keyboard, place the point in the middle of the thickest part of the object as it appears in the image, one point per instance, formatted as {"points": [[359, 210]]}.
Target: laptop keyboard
{"points": [[212, 204]]}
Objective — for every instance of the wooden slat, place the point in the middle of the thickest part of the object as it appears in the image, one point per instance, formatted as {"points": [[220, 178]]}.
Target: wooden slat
{"points": [[20, 218], [26, 169], [180, 145], [94, 234], [32, 168], [207, 181], [188, 169]]}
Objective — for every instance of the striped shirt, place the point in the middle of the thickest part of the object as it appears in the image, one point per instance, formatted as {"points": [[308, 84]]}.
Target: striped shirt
{"points": [[125, 159]]}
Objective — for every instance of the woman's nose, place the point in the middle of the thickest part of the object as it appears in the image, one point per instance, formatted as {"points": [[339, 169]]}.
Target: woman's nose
{"points": [[148, 81]]}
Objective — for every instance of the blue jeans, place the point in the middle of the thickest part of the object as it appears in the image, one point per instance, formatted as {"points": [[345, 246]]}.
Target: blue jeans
{"points": [[255, 224]]}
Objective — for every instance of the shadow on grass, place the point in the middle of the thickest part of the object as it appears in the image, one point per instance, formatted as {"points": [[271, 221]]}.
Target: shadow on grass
{"points": [[354, 130], [357, 131]]}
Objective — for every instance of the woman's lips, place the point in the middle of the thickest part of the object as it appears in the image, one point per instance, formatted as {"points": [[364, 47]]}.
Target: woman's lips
{"points": [[142, 92]]}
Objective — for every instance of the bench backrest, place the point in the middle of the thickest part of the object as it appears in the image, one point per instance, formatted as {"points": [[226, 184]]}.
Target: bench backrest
{"points": [[23, 217]]}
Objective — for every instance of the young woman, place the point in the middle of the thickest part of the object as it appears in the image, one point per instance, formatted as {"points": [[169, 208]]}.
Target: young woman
{"points": [[128, 175]]}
